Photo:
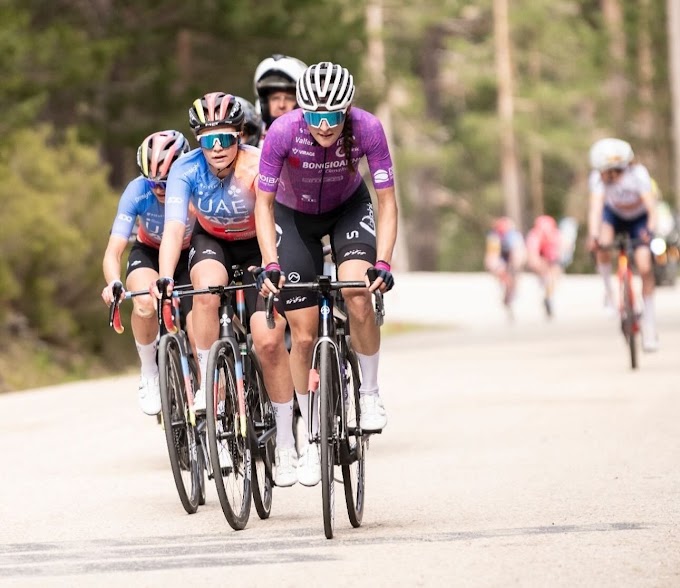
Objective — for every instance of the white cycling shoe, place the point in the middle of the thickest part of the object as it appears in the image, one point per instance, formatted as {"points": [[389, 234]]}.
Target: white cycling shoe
{"points": [[286, 462], [309, 465], [149, 394], [373, 414]]}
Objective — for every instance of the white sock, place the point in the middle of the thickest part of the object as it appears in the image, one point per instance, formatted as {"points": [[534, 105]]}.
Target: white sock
{"points": [[283, 413], [648, 313], [605, 270], [202, 357], [369, 373], [147, 356], [303, 403]]}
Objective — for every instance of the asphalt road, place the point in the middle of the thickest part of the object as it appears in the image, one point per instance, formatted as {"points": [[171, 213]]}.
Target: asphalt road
{"points": [[517, 454]]}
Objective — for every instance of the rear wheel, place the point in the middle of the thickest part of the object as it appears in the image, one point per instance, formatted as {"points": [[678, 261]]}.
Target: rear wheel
{"points": [[229, 449], [328, 409], [180, 435], [353, 448], [262, 419]]}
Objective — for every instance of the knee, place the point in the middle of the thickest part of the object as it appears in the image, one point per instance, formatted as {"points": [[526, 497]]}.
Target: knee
{"points": [[303, 341], [206, 303], [270, 344], [145, 308], [359, 303]]}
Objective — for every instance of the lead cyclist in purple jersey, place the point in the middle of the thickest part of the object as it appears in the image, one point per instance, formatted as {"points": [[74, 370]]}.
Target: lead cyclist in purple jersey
{"points": [[309, 186]]}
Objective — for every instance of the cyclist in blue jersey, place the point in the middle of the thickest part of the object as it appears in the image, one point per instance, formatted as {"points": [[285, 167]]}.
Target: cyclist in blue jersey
{"points": [[144, 199], [274, 85], [218, 180], [309, 186]]}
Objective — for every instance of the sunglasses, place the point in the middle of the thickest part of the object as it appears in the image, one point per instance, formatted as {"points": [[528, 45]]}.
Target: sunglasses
{"points": [[611, 174], [333, 119], [224, 140], [159, 184]]}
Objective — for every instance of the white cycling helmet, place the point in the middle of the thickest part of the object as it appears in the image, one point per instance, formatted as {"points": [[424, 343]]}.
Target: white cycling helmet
{"points": [[325, 85], [274, 74], [610, 154]]}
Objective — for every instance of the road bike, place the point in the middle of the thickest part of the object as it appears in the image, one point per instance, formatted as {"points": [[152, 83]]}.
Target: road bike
{"points": [[628, 310], [178, 378], [239, 415], [334, 382]]}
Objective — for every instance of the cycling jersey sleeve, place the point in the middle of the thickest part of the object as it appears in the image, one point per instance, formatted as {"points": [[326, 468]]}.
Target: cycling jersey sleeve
{"points": [[178, 192], [274, 154], [127, 210], [642, 177], [595, 183], [378, 155]]}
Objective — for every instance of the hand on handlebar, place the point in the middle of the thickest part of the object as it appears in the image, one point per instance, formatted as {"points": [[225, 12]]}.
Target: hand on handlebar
{"points": [[379, 277], [269, 279], [162, 288], [107, 292]]}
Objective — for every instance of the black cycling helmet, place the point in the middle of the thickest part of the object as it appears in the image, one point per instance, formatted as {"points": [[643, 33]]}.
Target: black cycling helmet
{"points": [[252, 127]]}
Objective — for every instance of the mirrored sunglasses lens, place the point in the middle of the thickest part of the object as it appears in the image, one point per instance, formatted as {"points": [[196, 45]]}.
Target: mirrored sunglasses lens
{"points": [[333, 119], [222, 139]]}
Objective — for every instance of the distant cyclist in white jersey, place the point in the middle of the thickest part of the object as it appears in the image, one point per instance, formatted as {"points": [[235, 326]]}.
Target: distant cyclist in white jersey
{"points": [[622, 201]]}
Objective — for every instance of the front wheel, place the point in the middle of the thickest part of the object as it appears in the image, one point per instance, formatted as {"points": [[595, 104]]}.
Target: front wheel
{"points": [[328, 411], [180, 434], [229, 450], [629, 320], [353, 447], [262, 429]]}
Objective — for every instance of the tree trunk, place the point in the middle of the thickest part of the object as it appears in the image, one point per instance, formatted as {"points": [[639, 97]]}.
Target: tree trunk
{"points": [[645, 90], [509, 165], [616, 85], [673, 19], [375, 65]]}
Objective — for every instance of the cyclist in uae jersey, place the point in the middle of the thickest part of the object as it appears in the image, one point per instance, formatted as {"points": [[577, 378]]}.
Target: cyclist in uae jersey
{"points": [[504, 256], [218, 179], [622, 200], [544, 251], [309, 187], [144, 200]]}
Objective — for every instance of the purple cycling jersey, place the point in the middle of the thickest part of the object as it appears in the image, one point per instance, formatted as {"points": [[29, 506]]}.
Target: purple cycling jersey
{"points": [[313, 179]]}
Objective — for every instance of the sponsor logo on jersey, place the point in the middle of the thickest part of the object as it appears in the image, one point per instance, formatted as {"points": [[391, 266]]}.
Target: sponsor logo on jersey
{"points": [[293, 277], [125, 217], [303, 140], [294, 161], [368, 222], [135, 262], [209, 252], [381, 176], [268, 179]]}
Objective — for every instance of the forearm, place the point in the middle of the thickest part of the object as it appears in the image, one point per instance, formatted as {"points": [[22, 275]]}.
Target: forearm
{"points": [[594, 217], [112, 257], [650, 203], [266, 227]]}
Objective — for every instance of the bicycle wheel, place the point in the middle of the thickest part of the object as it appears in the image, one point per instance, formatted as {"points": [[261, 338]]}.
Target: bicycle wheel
{"points": [[353, 446], [629, 320], [229, 450], [262, 421], [328, 409], [180, 435]]}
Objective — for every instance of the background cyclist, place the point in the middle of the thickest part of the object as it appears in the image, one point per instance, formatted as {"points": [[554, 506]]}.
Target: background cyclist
{"points": [[218, 179], [144, 199], [505, 256], [544, 255], [274, 85], [309, 182], [622, 200], [252, 124]]}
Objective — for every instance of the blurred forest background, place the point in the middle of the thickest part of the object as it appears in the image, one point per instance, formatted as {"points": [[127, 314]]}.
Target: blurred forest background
{"points": [[490, 105]]}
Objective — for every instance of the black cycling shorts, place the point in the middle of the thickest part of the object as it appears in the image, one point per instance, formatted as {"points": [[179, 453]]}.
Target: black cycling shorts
{"points": [[229, 253], [351, 227], [142, 255]]}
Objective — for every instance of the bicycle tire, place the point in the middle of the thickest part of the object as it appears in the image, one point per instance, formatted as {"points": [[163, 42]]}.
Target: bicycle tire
{"points": [[327, 420], [629, 320], [353, 451], [233, 483], [180, 435], [262, 413]]}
